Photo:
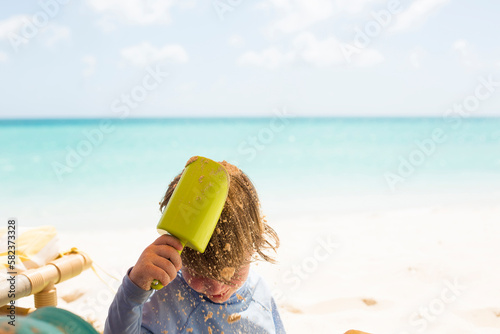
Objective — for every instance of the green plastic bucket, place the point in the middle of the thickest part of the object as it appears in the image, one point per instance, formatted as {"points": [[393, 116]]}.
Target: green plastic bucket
{"points": [[196, 204]]}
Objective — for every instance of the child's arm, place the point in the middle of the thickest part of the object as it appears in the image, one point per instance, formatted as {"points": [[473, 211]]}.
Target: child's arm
{"points": [[160, 260], [125, 312], [278, 324]]}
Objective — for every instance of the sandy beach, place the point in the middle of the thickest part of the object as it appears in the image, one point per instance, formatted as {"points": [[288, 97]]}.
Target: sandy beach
{"points": [[418, 270]]}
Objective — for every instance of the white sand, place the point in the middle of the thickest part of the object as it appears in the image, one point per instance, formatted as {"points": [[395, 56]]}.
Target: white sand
{"points": [[371, 271]]}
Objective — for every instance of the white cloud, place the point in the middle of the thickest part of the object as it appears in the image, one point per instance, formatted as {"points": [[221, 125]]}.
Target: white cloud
{"points": [[270, 58], [320, 53], [135, 11], [354, 6], [12, 25], [416, 57], [367, 58], [106, 25], [417, 13], [296, 15], [21, 29], [55, 33], [3, 56], [236, 41], [144, 54], [308, 49], [460, 44], [299, 14], [467, 54], [90, 62]]}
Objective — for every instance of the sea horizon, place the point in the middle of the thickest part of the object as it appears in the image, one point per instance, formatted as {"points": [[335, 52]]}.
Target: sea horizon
{"points": [[64, 166], [243, 117]]}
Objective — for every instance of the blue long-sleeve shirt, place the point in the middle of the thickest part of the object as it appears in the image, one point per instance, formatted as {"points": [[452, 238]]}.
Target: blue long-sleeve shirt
{"points": [[177, 308]]}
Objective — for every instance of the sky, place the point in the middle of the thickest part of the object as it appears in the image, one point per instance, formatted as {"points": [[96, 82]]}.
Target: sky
{"points": [[241, 58]]}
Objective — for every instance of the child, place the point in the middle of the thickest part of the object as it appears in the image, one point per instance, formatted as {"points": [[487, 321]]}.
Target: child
{"points": [[210, 292]]}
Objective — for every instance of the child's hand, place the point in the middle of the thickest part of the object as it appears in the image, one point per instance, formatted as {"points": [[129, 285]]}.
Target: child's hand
{"points": [[160, 260]]}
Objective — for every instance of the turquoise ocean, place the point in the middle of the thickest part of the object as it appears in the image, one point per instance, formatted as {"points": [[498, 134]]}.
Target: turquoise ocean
{"points": [[60, 171]]}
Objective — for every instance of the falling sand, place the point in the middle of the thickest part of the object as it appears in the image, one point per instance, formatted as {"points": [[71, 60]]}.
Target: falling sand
{"points": [[233, 318], [227, 273], [208, 316], [191, 160], [179, 296], [369, 301]]}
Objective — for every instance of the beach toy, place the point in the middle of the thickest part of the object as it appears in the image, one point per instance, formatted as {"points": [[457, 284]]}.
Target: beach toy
{"points": [[195, 206], [47, 320], [41, 282]]}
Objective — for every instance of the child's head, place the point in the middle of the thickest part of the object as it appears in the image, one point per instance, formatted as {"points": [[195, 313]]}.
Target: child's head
{"points": [[241, 234]]}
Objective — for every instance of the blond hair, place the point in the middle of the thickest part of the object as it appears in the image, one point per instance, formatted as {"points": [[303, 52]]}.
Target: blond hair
{"points": [[241, 234]]}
